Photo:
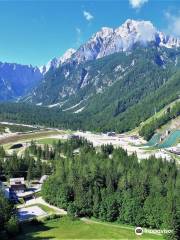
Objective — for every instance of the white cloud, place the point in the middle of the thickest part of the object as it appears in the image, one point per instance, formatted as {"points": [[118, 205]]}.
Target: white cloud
{"points": [[78, 30], [137, 3], [173, 26], [88, 16]]}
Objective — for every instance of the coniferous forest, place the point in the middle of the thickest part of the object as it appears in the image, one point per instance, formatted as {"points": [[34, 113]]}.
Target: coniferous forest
{"points": [[110, 185], [104, 183]]}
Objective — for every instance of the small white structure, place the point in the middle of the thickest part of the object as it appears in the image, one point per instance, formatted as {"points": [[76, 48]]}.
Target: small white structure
{"points": [[17, 185], [175, 150], [14, 181], [43, 178], [25, 194]]}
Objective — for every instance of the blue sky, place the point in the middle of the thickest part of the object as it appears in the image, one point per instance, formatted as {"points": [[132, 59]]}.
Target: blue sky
{"points": [[33, 32]]}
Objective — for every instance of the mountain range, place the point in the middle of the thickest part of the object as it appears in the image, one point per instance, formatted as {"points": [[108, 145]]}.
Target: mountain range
{"points": [[17, 80], [107, 78], [122, 39], [79, 70]]}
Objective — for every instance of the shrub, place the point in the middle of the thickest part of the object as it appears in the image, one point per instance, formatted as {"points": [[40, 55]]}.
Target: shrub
{"points": [[12, 226]]}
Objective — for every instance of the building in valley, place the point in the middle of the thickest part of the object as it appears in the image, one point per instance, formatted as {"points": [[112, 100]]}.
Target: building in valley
{"points": [[17, 185]]}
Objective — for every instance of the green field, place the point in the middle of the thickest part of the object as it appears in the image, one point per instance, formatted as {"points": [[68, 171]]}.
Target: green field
{"points": [[65, 228], [15, 128], [48, 140], [27, 137]]}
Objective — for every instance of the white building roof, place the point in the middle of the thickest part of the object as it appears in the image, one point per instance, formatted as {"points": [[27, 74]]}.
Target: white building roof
{"points": [[14, 181]]}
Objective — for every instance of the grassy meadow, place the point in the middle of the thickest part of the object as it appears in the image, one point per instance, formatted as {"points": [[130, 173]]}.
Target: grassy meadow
{"points": [[65, 228]]}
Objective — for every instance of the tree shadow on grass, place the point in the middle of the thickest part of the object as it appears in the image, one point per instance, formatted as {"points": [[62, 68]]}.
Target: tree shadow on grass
{"points": [[29, 229]]}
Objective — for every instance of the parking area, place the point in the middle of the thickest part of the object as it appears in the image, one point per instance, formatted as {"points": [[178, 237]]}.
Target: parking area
{"points": [[30, 212]]}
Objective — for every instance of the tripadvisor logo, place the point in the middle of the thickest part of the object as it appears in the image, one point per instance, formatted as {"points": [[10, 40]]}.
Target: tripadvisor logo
{"points": [[138, 231]]}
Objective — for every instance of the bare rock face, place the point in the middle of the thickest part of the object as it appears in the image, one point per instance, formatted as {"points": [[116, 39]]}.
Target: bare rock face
{"points": [[16, 80], [108, 41]]}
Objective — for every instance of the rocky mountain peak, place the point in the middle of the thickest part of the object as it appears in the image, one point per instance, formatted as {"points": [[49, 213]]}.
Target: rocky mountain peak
{"points": [[108, 41], [55, 62], [67, 55]]}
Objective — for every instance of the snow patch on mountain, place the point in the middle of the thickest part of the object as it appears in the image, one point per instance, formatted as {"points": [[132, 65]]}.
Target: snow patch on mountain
{"points": [[85, 80], [72, 107], [66, 74], [119, 68], [53, 105], [79, 110], [39, 104], [176, 61]]}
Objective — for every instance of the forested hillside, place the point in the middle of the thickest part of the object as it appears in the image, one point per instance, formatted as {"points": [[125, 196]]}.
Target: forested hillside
{"points": [[118, 81], [116, 92], [112, 186], [104, 120]]}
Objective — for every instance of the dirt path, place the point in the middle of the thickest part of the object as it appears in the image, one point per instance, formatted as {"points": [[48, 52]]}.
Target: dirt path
{"points": [[89, 221]]}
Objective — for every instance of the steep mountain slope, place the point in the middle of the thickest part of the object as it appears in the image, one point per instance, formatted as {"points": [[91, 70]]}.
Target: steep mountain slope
{"points": [[135, 104], [16, 80], [120, 79], [56, 62], [122, 39], [81, 70], [156, 100], [102, 120]]}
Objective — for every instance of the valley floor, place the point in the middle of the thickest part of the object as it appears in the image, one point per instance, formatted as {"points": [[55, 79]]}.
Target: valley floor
{"points": [[128, 141]]}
